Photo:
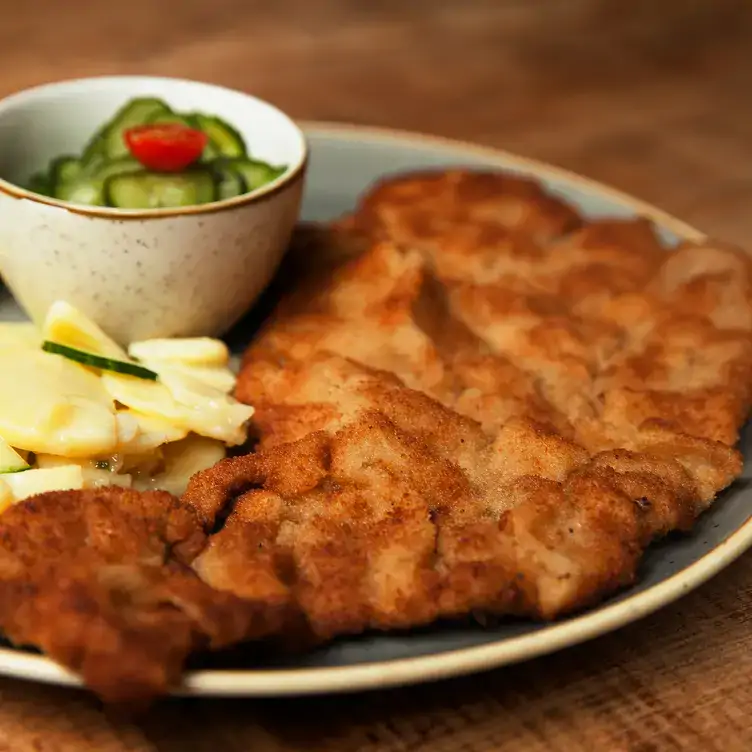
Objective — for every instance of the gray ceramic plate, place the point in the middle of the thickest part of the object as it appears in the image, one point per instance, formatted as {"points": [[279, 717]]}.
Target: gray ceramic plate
{"points": [[345, 160]]}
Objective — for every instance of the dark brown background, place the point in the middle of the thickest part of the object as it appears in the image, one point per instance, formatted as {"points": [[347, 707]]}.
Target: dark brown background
{"points": [[653, 97]]}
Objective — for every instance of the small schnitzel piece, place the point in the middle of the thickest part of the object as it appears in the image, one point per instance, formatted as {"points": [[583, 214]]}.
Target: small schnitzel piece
{"points": [[100, 581]]}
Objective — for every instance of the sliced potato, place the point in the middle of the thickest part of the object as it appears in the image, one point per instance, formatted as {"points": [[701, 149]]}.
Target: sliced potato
{"points": [[40, 480], [127, 428], [183, 459], [140, 465], [66, 325], [218, 377], [19, 334], [92, 475], [147, 397], [209, 412], [200, 351], [49, 404], [96, 478], [184, 402], [151, 432], [155, 434], [6, 496]]}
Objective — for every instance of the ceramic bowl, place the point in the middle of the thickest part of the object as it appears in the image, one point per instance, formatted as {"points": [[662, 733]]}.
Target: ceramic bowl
{"points": [[154, 273]]}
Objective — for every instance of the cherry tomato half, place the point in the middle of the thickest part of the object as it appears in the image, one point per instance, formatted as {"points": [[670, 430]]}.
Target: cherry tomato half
{"points": [[169, 147]]}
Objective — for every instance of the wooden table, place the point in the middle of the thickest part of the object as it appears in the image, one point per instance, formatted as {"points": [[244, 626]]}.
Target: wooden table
{"points": [[654, 98]]}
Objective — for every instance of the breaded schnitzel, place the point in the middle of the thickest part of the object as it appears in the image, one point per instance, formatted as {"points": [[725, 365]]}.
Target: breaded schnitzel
{"points": [[99, 580], [493, 408], [395, 510]]}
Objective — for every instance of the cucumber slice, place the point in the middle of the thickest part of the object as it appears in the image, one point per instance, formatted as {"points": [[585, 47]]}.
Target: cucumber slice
{"points": [[230, 182], [65, 169], [109, 140], [211, 152], [41, 183], [86, 191], [99, 361], [88, 186], [167, 118], [154, 190], [110, 168], [116, 167], [224, 140], [95, 149], [10, 460], [255, 172], [69, 183]]}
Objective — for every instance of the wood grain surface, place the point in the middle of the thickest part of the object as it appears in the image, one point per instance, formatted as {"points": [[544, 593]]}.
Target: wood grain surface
{"points": [[652, 97]]}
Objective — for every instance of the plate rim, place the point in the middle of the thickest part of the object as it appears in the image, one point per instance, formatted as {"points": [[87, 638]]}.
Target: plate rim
{"points": [[460, 661]]}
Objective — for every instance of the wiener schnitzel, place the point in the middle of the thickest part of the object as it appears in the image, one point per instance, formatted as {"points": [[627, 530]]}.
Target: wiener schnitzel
{"points": [[492, 408], [470, 400], [395, 511]]}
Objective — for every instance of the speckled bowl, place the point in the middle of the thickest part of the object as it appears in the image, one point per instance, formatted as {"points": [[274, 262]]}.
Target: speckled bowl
{"points": [[140, 274]]}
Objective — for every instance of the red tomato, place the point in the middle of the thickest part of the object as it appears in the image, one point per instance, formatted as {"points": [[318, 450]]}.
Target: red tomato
{"points": [[169, 147]]}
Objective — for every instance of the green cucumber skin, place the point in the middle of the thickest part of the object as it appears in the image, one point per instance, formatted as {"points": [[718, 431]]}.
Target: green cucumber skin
{"points": [[98, 361], [41, 184], [255, 172], [92, 180], [210, 150], [169, 118], [94, 150], [224, 140], [84, 193], [230, 182], [65, 169], [17, 470], [154, 190]]}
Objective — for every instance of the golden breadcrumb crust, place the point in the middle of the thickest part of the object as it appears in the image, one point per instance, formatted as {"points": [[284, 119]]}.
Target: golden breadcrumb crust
{"points": [[479, 402]]}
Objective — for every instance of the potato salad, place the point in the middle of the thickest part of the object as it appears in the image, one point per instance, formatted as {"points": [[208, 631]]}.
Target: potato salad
{"points": [[79, 411]]}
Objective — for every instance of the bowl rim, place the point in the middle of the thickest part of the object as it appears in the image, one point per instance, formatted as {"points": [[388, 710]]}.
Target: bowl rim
{"points": [[295, 171]]}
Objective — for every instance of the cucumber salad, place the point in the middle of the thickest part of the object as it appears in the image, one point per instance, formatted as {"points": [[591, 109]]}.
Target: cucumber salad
{"points": [[150, 157], [78, 411]]}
